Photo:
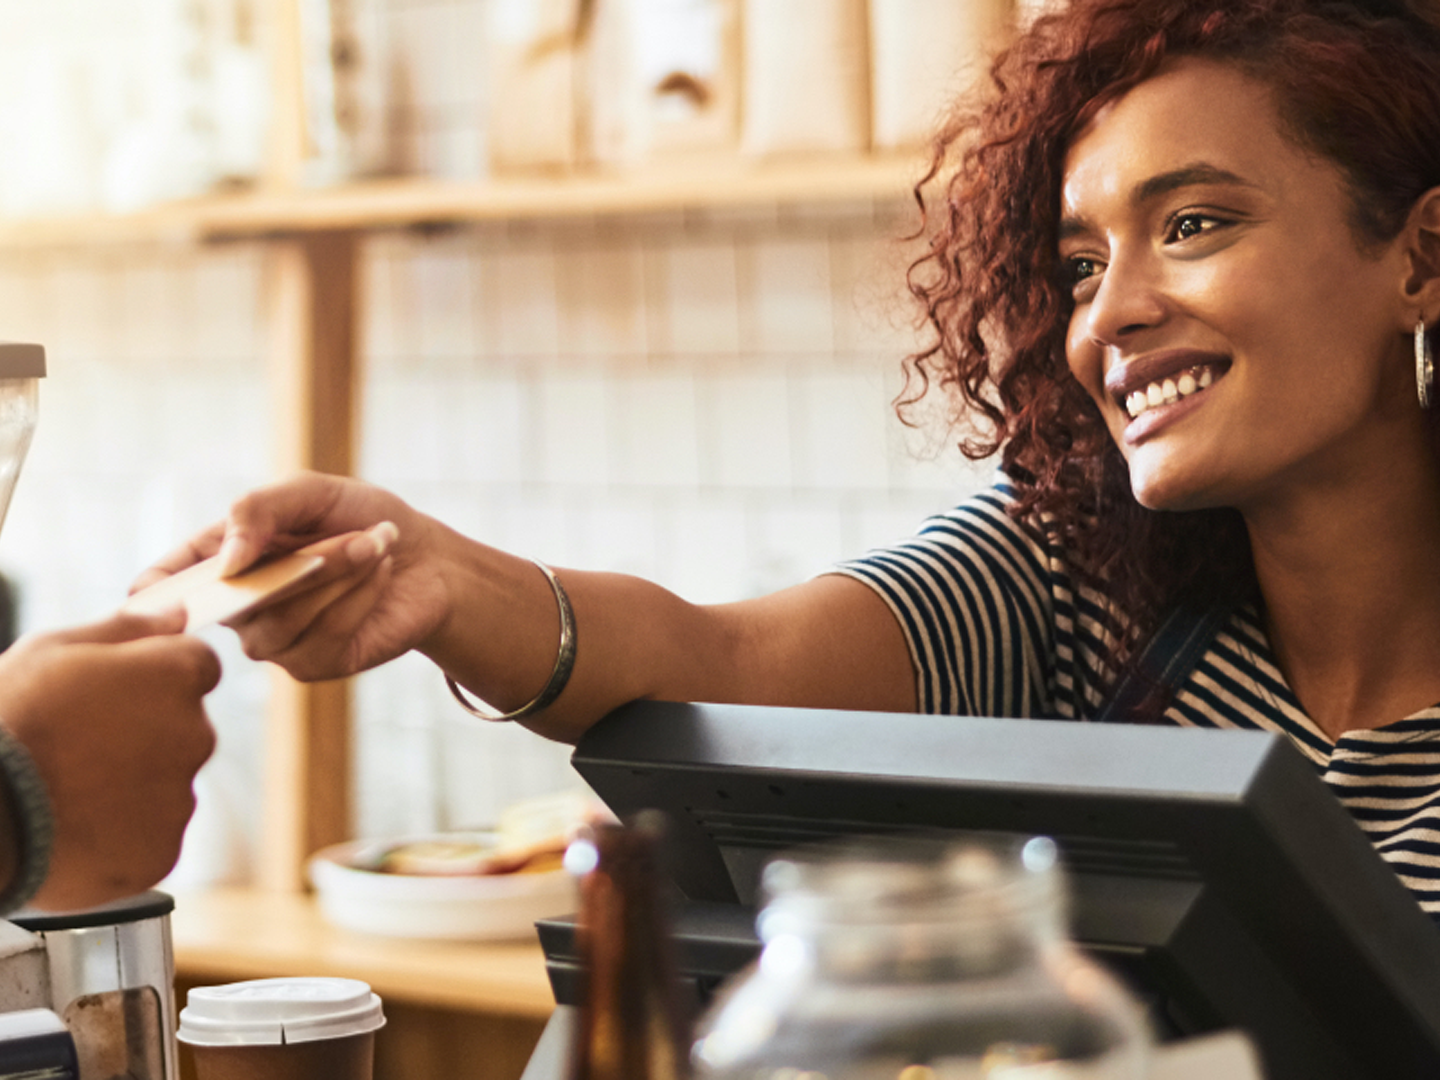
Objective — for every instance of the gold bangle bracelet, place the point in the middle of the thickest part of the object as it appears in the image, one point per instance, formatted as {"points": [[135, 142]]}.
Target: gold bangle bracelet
{"points": [[564, 664]]}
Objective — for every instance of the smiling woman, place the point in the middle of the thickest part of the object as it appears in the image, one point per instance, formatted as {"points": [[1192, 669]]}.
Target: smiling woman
{"points": [[1239, 271], [1183, 254], [1324, 123]]}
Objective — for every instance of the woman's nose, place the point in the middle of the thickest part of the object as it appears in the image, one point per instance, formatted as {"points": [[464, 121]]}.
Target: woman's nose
{"points": [[1128, 300]]}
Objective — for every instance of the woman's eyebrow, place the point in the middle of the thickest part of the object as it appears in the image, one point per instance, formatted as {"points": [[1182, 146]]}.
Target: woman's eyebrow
{"points": [[1192, 175]]}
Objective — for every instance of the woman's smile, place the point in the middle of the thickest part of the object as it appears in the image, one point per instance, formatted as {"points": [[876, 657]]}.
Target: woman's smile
{"points": [[1228, 324], [1163, 392], [1157, 389]]}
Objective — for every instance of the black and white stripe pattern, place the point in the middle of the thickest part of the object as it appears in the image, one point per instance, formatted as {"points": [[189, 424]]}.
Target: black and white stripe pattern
{"points": [[997, 627]]}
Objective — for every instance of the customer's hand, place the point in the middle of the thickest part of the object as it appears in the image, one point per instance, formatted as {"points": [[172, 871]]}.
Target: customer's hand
{"points": [[379, 594], [112, 715]]}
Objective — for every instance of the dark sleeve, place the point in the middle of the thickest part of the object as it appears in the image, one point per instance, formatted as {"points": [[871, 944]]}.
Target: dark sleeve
{"points": [[33, 822]]}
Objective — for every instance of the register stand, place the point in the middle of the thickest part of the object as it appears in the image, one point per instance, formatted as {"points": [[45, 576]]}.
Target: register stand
{"points": [[1211, 870]]}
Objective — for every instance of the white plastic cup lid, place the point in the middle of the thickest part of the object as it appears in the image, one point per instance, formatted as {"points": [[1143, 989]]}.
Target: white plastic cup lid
{"points": [[269, 1012]]}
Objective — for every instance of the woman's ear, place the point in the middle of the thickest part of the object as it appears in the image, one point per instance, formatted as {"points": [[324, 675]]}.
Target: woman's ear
{"points": [[1422, 282]]}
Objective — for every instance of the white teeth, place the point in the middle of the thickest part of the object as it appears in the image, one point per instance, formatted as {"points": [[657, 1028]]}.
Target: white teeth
{"points": [[1169, 391]]}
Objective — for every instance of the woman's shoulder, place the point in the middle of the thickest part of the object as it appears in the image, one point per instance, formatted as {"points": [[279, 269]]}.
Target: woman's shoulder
{"points": [[981, 541], [993, 510]]}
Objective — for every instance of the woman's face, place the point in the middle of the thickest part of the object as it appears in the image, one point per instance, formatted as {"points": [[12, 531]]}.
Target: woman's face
{"points": [[1238, 341]]}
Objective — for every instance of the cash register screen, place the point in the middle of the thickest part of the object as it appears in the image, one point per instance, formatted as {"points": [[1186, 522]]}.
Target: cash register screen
{"points": [[1212, 870]]}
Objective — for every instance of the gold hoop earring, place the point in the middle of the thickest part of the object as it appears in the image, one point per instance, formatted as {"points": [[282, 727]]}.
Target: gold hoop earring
{"points": [[1424, 365]]}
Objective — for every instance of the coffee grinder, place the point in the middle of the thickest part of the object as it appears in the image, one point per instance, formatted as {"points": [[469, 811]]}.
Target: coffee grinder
{"points": [[109, 975]]}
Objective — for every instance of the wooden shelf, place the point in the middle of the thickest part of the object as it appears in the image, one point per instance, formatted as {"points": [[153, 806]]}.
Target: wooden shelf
{"points": [[225, 935], [381, 204]]}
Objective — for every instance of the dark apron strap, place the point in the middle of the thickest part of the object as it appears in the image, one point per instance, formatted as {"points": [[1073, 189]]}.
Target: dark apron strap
{"points": [[1165, 663]]}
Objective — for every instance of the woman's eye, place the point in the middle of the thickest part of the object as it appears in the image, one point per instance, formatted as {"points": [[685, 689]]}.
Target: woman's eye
{"points": [[1186, 226], [1082, 269]]}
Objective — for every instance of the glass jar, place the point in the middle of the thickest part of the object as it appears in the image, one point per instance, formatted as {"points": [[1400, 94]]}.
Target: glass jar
{"points": [[920, 960]]}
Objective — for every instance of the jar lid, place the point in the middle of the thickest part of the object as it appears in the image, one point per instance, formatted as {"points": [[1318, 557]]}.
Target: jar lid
{"points": [[269, 1012], [916, 879], [19, 361]]}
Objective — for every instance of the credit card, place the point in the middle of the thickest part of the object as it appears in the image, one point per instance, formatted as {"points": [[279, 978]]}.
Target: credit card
{"points": [[209, 598]]}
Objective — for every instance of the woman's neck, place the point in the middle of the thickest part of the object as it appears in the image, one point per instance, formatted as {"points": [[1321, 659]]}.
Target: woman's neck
{"points": [[1351, 580]]}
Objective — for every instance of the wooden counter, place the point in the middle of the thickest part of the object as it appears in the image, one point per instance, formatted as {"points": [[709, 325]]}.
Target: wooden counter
{"points": [[459, 1010]]}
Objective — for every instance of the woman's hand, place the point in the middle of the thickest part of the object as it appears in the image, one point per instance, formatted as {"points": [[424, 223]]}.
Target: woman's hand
{"points": [[112, 715], [380, 593]]}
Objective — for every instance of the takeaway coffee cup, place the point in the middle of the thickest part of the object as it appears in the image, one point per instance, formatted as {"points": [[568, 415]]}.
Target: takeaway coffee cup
{"points": [[282, 1029]]}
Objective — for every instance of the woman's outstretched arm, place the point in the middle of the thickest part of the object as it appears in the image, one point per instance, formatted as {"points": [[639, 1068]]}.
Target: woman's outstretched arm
{"points": [[396, 580]]}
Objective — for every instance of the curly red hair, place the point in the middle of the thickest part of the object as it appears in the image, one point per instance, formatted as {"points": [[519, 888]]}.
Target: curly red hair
{"points": [[1357, 83]]}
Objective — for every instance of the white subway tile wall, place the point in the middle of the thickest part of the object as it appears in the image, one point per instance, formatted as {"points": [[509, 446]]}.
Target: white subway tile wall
{"points": [[701, 398]]}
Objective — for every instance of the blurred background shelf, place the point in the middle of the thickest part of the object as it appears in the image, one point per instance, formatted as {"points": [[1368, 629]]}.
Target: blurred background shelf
{"points": [[418, 201], [277, 95]]}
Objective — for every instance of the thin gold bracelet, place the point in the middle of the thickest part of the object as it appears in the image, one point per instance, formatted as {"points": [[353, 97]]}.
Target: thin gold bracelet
{"points": [[564, 664]]}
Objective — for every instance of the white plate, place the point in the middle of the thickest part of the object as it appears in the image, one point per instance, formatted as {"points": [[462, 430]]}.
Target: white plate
{"points": [[471, 907]]}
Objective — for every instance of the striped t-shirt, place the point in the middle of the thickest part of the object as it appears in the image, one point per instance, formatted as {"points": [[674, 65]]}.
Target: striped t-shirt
{"points": [[997, 626]]}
